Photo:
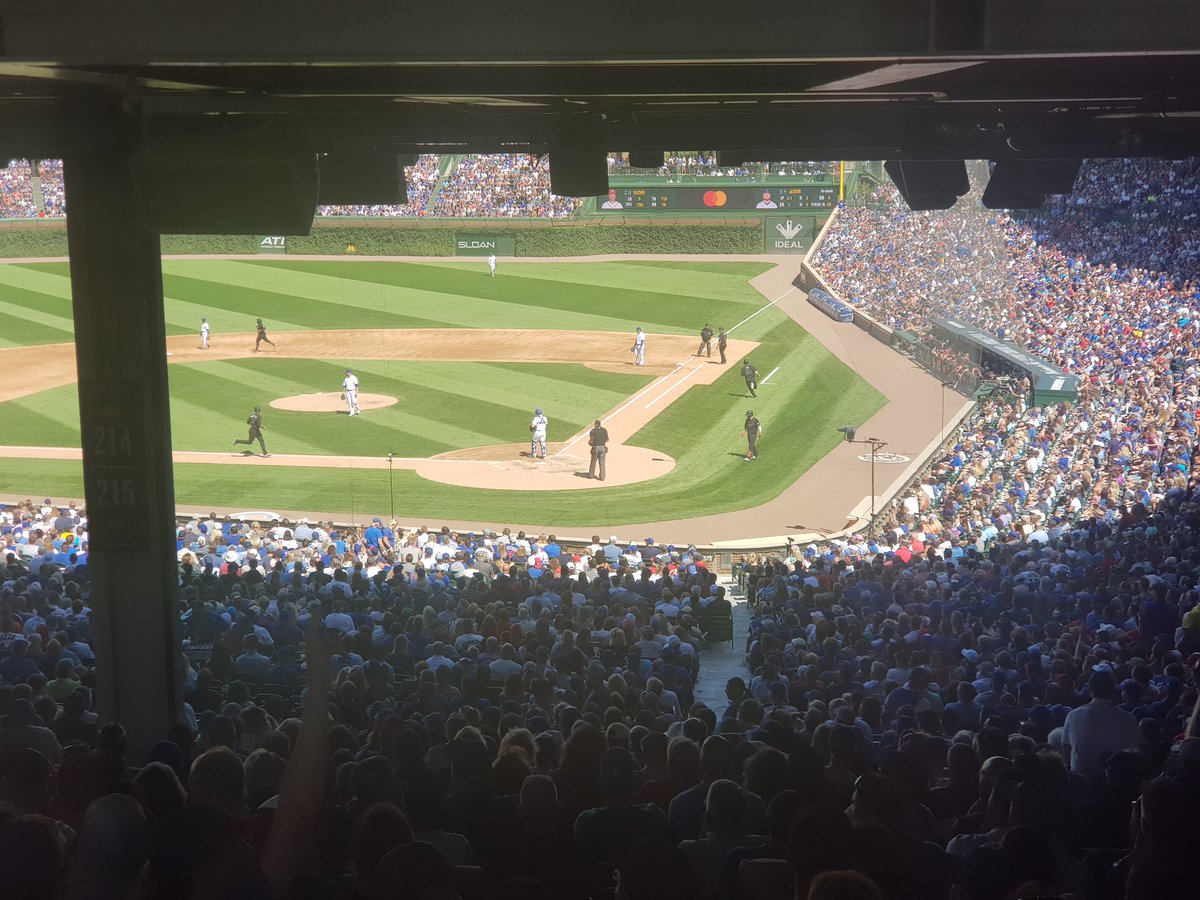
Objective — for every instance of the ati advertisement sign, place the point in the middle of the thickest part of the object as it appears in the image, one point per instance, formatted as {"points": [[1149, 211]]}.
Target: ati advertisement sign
{"points": [[484, 244], [789, 234], [275, 244]]}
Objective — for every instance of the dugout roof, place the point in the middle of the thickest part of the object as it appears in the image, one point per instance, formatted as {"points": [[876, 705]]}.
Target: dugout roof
{"points": [[1050, 384]]}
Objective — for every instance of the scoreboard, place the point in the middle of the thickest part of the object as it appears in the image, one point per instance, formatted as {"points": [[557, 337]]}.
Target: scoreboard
{"points": [[645, 198]]}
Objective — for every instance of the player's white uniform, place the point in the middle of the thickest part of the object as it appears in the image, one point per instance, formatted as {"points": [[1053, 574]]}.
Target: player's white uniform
{"points": [[492, 264], [639, 349], [537, 438], [204, 335], [350, 388]]}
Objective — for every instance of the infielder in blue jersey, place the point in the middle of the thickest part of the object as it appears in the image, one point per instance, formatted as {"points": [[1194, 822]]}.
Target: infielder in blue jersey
{"points": [[537, 434]]}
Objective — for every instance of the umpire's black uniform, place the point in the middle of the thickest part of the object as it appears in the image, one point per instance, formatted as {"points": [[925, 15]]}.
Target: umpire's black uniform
{"points": [[598, 441], [753, 429], [705, 341], [751, 375], [255, 422]]}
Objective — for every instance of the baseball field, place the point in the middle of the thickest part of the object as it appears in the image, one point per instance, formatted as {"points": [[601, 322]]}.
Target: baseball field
{"points": [[451, 364]]}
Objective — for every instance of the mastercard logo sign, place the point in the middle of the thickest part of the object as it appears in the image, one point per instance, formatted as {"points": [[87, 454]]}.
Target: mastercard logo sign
{"points": [[715, 198]]}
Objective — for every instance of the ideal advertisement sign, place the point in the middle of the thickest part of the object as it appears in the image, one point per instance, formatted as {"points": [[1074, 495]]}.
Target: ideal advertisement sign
{"points": [[789, 234]]}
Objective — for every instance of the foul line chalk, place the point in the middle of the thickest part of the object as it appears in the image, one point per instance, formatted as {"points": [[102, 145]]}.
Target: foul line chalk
{"points": [[768, 378], [690, 373], [763, 309]]}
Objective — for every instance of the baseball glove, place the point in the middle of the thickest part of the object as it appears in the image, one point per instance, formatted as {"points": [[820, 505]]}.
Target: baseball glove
{"points": [[343, 396], [531, 428]]}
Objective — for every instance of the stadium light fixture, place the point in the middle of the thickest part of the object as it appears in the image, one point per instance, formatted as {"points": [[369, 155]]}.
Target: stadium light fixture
{"points": [[849, 432]]}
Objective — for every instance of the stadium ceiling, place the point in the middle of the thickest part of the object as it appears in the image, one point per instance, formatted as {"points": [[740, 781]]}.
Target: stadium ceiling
{"points": [[853, 79]]}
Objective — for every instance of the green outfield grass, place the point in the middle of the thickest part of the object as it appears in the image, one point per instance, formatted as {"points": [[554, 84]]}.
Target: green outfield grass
{"points": [[443, 405], [452, 405]]}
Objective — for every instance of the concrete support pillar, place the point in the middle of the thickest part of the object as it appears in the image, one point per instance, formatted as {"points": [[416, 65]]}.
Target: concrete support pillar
{"points": [[125, 427]]}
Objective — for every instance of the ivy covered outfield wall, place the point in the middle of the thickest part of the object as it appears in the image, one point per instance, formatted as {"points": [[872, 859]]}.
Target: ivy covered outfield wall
{"points": [[403, 237]]}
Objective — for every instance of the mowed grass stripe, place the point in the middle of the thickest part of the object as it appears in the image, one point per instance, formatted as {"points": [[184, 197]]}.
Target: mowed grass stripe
{"points": [[28, 296], [520, 390], [425, 421], [236, 308], [54, 281], [50, 418], [359, 297], [204, 427], [16, 330], [729, 287], [549, 303], [448, 391]]}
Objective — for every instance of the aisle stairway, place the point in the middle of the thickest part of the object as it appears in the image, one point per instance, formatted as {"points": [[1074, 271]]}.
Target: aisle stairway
{"points": [[447, 163], [35, 187], [721, 662]]}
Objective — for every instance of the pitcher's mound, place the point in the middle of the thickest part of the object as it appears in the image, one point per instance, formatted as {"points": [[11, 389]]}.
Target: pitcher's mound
{"points": [[331, 401]]}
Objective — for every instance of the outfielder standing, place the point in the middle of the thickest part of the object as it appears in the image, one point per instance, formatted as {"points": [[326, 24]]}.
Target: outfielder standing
{"points": [[752, 431], [492, 264], [261, 336], [204, 334], [537, 434], [350, 393], [254, 420], [751, 375], [639, 347]]}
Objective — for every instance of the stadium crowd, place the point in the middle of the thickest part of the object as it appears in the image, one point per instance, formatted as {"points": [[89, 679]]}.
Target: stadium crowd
{"points": [[53, 193], [503, 185], [420, 180], [1129, 333], [16, 195]]}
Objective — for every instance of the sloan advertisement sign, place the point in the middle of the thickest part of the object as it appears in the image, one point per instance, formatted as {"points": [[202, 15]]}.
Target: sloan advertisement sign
{"points": [[484, 244]]}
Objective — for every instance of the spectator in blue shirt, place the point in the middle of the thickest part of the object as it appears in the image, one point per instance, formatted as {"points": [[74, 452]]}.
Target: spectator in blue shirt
{"points": [[18, 667]]}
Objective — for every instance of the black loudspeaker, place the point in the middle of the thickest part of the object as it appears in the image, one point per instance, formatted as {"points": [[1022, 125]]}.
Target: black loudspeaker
{"points": [[578, 162], [367, 179], [1025, 183], [645, 159], [929, 183], [209, 180]]}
